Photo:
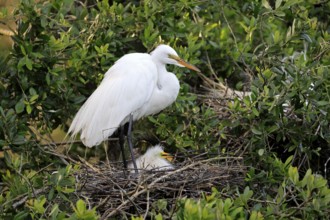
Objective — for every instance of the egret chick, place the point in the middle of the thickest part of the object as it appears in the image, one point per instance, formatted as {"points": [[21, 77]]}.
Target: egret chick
{"points": [[153, 159]]}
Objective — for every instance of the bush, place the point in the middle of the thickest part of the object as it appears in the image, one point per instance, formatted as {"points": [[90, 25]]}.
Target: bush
{"points": [[292, 197], [278, 50]]}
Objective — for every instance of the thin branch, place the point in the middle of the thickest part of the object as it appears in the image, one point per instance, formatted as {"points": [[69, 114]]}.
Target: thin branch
{"points": [[148, 204]]}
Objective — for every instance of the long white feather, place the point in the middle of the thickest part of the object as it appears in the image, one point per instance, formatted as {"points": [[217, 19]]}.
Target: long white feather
{"points": [[127, 86], [136, 84]]}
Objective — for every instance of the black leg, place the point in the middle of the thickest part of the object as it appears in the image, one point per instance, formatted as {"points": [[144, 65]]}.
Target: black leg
{"points": [[121, 143], [129, 139]]}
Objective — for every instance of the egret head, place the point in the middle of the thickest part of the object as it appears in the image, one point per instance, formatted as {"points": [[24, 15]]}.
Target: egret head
{"points": [[157, 152], [167, 55]]}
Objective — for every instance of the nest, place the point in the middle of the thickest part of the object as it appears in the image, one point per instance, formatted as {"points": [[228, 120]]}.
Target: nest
{"points": [[217, 95], [115, 191]]}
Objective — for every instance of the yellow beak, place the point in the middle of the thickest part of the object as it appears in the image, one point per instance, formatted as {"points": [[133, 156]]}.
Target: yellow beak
{"points": [[184, 63], [166, 156]]}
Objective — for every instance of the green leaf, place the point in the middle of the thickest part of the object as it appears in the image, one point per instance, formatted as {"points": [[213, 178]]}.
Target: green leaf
{"points": [[256, 131], [234, 214], [79, 99], [28, 108], [293, 174], [38, 205], [81, 207], [32, 91], [261, 152], [307, 38], [323, 103], [54, 212], [256, 215], [48, 79], [28, 63], [21, 215], [153, 120], [19, 140], [289, 3], [34, 97], [159, 217], [67, 190], [247, 193], [266, 4], [279, 13], [278, 3], [51, 194], [161, 204], [21, 63], [19, 107], [255, 111], [23, 50]]}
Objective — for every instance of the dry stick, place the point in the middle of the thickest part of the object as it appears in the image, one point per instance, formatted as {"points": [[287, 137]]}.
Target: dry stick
{"points": [[210, 65], [325, 167], [89, 165], [6, 32], [61, 156], [147, 209], [103, 201], [70, 142], [136, 194], [21, 201]]}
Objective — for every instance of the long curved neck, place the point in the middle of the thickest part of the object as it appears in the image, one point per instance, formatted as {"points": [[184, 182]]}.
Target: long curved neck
{"points": [[162, 75], [165, 92], [167, 85]]}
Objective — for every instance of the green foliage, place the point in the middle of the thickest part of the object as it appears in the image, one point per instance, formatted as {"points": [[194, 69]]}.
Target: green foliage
{"points": [[284, 46], [279, 50], [189, 125], [81, 212], [293, 197], [212, 207], [42, 195]]}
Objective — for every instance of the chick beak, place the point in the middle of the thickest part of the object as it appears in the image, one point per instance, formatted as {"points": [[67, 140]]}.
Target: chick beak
{"points": [[167, 156]]}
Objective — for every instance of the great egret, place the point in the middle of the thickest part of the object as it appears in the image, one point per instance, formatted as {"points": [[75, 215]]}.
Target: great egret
{"points": [[137, 85], [153, 159]]}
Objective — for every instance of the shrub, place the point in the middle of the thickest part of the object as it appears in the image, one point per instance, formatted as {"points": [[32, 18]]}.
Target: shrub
{"points": [[278, 50]]}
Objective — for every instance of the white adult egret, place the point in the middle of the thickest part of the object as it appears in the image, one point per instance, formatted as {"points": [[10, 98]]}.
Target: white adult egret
{"points": [[137, 85], [153, 159]]}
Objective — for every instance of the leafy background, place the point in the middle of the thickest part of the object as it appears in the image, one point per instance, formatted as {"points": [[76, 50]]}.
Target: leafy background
{"points": [[278, 50]]}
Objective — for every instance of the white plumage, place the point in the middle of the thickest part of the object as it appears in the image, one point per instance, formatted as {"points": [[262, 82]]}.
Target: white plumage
{"points": [[136, 84], [153, 159]]}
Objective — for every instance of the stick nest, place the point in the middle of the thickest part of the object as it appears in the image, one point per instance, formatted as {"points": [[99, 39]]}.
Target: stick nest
{"points": [[217, 95], [116, 191]]}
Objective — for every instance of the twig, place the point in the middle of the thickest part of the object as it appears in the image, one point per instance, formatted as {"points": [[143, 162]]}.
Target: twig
{"points": [[7, 32], [148, 203], [21, 201], [325, 168], [163, 177], [70, 142], [89, 165]]}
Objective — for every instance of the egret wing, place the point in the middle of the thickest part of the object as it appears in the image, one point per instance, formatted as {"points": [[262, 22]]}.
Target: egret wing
{"points": [[125, 89]]}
